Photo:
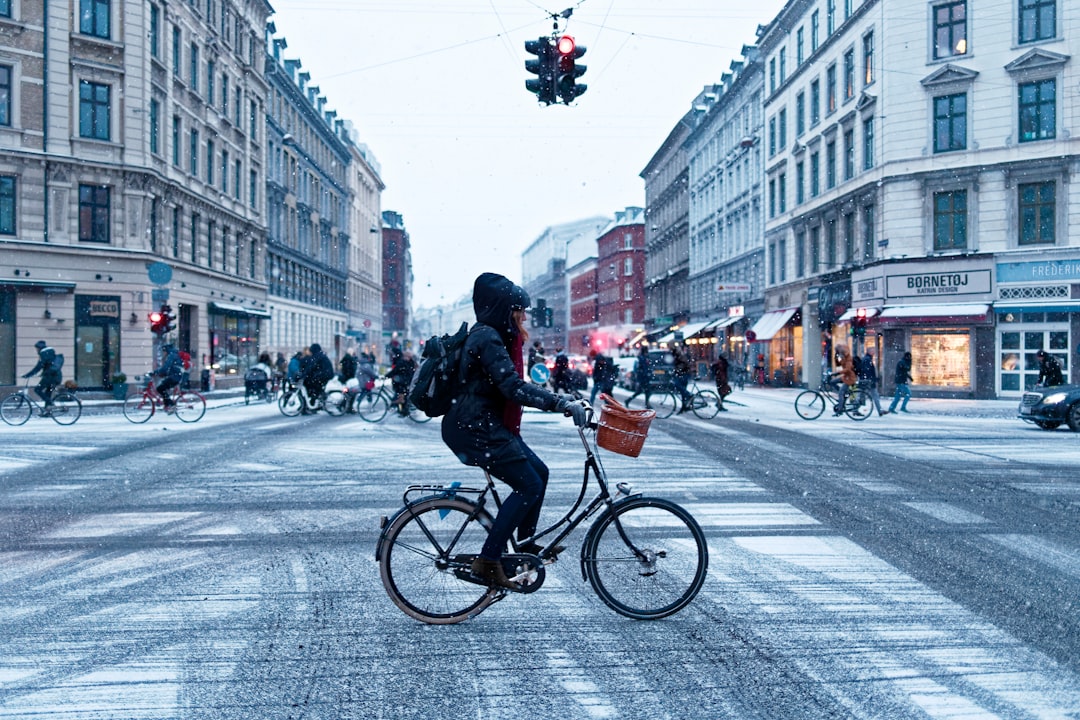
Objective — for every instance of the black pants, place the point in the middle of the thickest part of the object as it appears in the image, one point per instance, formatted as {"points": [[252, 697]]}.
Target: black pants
{"points": [[528, 478], [163, 389], [44, 391]]}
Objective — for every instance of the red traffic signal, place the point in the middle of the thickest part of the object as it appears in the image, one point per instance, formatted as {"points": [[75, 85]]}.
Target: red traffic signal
{"points": [[566, 45], [567, 71]]}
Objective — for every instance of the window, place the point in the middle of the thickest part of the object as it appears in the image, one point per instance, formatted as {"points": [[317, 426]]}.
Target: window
{"points": [[176, 140], [830, 17], [94, 18], [849, 237], [799, 57], [236, 180], [5, 8], [176, 60], [236, 107], [225, 95], [815, 102], [628, 292], [781, 190], [847, 8], [1037, 207], [254, 188], [815, 249], [783, 64], [155, 130], [194, 237], [210, 82], [93, 110], [7, 205], [772, 198], [815, 27], [849, 74], [950, 29], [176, 232], [5, 95], [210, 227], [193, 165], [194, 73], [800, 254], [93, 213], [628, 266], [830, 165], [950, 123], [210, 162], [1038, 20], [224, 171], [772, 75], [830, 244], [1037, 110], [830, 89], [155, 31], [772, 136], [628, 241], [868, 58], [782, 128], [868, 232], [800, 183], [772, 263], [950, 220], [849, 154], [815, 174], [781, 259], [800, 114], [868, 143], [254, 118]]}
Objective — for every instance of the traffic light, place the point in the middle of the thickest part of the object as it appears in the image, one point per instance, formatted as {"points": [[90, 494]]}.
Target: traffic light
{"points": [[567, 71], [157, 323], [858, 323], [543, 67], [548, 317], [169, 318]]}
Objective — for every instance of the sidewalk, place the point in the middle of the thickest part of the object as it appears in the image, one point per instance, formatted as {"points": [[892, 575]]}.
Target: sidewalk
{"points": [[916, 406]]}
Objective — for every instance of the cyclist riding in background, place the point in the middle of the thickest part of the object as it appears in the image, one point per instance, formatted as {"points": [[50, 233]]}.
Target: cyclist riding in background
{"points": [[49, 369], [315, 371], [171, 372]]}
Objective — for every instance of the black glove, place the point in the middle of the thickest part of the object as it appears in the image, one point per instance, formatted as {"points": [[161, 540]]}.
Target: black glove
{"points": [[571, 408]]}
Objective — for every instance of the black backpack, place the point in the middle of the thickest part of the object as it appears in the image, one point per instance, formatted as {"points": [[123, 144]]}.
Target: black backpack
{"points": [[439, 378]]}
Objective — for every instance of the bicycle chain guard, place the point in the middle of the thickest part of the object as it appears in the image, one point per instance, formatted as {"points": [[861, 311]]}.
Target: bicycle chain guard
{"points": [[524, 569]]}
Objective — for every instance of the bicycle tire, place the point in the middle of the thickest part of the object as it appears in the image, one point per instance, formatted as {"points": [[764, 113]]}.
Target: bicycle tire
{"points": [[290, 403], [372, 407], [66, 408], [334, 403], [415, 560], [190, 406], [705, 404], [417, 415], [16, 409], [664, 403], [666, 571], [858, 406], [139, 408], [810, 404]]}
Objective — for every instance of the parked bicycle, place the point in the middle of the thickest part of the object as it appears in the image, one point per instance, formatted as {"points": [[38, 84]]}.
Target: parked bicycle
{"points": [[295, 397], [188, 405], [373, 405], [646, 558], [704, 403], [17, 408], [810, 404]]}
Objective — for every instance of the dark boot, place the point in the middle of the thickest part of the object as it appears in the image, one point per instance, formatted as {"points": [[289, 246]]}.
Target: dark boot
{"points": [[492, 572]]}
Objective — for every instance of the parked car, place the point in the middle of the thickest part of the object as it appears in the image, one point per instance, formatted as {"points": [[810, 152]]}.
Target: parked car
{"points": [[1050, 407], [625, 365]]}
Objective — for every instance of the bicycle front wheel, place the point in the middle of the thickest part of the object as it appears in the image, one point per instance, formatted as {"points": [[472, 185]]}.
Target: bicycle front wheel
{"points": [[139, 408], [858, 405], [66, 408], [646, 558], [372, 406], [16, 409], [706, 404], [334, 403], [417, 560], [290, 403], [664, 403], [809, 404], [190, 406]]}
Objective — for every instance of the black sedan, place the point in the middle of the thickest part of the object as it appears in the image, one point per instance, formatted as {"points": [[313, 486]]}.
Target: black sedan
{"points": [[1049, 407]]}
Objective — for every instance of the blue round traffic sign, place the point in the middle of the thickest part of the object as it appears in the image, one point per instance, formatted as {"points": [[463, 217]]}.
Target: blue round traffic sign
{"points": [[159, 273]]}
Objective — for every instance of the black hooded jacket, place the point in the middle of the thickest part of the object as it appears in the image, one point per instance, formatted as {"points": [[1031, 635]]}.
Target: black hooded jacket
{"points": [[474, 427]]}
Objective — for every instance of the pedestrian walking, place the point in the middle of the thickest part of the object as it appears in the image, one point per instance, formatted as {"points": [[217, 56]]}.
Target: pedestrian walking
{"points": [[719, 370], [603, 376], [868, 379], [642, 378], [901, 379], [681, 371], [1049, 370]]}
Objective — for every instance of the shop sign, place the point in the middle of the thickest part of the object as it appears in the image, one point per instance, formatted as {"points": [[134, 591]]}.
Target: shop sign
{"points": [[1042, 271], [104, 308], [733, 288], [950, 283], [867, 291]]}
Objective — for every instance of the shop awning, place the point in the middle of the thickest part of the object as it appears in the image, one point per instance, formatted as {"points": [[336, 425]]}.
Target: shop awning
{"points": [[1044, 306], [870, 312], [689, 330], [230, 309], [636, 339], [46, 285], [770, 323], [725, 322], [940, 313]]}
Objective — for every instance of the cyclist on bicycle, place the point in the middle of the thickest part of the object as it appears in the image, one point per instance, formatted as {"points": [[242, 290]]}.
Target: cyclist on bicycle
{"points": [[316, 369], [171, 372], [483, 427], [846, 374], [50, 372]]}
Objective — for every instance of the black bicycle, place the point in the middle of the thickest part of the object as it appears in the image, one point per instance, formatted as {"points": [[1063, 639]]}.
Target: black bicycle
{"points": [[646, 558], [17, 408], [810, 404]]}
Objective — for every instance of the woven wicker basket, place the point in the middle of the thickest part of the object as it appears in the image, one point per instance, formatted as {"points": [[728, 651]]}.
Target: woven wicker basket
{"points": [[622, 430]]}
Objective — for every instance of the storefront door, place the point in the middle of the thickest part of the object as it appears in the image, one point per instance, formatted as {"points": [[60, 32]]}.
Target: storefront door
{"points": [[97, 340]]}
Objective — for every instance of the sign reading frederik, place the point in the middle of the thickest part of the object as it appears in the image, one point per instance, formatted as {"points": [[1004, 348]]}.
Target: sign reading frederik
{"points": [[953, 283]]}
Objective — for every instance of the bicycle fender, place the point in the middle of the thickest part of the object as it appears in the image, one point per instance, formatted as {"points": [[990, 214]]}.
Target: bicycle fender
{"points": [[385, 522]]}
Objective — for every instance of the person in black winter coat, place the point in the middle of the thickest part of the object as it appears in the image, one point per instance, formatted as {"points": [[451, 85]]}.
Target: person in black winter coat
{"points": [[483, 426], [316, 369], [171, 372], [51, 375], [1049, 370], [901, 380]]}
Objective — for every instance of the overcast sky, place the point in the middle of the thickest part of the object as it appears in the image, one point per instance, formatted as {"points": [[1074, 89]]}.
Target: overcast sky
{"points": [[475, 166]]}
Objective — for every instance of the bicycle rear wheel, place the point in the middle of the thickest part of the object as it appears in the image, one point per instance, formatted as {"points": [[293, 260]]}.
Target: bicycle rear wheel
{"points": [[139, 408], [416, 560], [190, 406], [858, 405], [664, 403], [646, 558], [16, 409], [372, 406], [290, 403], [334, 403], [705, 404], [809, 404], [66, 408]]}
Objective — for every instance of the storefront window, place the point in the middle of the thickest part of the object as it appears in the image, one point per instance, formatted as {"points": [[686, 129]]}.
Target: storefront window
{"points": [[941, 358], [7, 337], [234, 340]]}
